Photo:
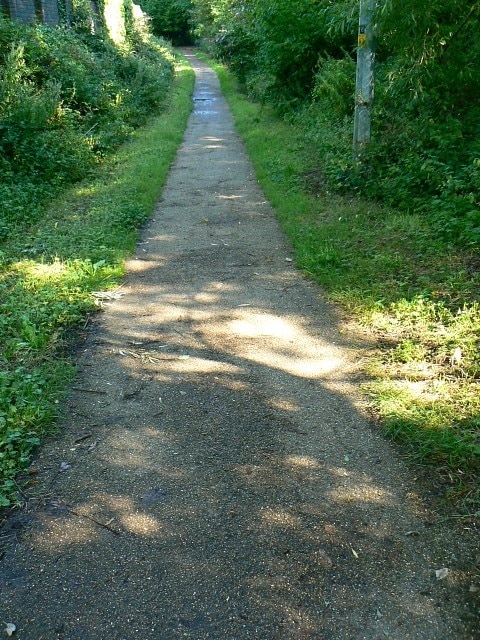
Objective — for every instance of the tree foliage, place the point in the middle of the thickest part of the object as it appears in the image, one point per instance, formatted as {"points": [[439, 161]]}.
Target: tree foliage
{"points": [[171, 19]]}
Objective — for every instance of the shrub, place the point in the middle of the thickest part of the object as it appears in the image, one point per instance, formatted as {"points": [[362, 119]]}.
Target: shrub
{"points": [[334, 85], [66, 101]]}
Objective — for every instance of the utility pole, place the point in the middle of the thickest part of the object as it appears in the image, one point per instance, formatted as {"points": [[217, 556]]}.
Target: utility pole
{"points": [[364, 82]]}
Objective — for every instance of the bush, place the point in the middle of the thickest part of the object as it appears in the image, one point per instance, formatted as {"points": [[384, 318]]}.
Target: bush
{"points": [[299, 57], [334, 85], [236, 46], [66, 101]]}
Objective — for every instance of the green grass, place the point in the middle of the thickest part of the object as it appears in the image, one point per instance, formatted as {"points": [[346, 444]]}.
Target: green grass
{"points": [[403, 285], [48, 275]]}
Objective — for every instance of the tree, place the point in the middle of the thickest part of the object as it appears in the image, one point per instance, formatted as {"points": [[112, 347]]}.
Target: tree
{"points": [[171, 19]]}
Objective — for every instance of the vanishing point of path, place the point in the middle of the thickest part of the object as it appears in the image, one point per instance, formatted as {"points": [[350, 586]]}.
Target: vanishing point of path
{"points": [[215, 477]]}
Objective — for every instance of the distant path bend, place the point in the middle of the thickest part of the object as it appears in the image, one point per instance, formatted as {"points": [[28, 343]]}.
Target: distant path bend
{"points": [[215, 477]]}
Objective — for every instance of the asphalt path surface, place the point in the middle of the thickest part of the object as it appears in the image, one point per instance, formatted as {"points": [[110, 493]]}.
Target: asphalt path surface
{"points": [[216, 475]]}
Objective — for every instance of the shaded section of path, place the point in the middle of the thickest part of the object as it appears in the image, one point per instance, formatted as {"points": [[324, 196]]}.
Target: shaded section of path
{"points": [[215, 478]]}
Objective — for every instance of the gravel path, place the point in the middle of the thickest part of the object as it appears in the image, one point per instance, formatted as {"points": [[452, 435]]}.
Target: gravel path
{"points": [[215, 477]]}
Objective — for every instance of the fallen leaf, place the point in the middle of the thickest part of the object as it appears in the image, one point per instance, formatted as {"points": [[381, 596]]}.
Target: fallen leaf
{"points": [[108, 295], [354, 553], [10, 629], [456, 358], [288, 260], [441, 573]]}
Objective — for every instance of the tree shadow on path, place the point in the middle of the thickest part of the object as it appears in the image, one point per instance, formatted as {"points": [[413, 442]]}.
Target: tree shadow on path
{"points": [[215, 477]]}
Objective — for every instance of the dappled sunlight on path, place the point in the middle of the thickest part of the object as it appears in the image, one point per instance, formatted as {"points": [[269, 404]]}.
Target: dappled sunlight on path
{"points": [[216, 477]]}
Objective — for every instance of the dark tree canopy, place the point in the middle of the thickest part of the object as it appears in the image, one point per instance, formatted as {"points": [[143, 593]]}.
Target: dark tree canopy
{"points": [[171, 19]]}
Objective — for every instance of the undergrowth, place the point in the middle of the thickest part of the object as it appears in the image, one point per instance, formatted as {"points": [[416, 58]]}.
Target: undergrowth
{"points": [[407, 285], [67, 100]]}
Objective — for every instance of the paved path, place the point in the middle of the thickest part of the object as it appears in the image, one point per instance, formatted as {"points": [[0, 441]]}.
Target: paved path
{"points": [[215, 477]]}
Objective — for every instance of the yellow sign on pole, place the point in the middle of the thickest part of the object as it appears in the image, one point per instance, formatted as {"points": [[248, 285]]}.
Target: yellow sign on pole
{"points": [[364, 81]]}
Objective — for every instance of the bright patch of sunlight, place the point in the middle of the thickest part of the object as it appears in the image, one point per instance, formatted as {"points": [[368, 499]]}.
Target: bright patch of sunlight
{"points": [[200, 365], [282, 343], [41, 270], [283, 404], [206, 298], [139, 266], [292, 363], [113, 15], [420, 389], [182, 66], [264, 325], [302, 461], [356, 491], [156, 434], [233, 385], [141, 524], [88, 190], [128, 515], [64, 532], [279, 517]]}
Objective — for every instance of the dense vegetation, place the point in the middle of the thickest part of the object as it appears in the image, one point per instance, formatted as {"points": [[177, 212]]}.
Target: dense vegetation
{"points": [[171, 20], [299, 56], [68, 98], [393, 237]]}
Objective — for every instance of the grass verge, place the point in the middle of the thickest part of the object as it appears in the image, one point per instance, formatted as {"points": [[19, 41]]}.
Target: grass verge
{"points": [[49, 276], [417, 295]]}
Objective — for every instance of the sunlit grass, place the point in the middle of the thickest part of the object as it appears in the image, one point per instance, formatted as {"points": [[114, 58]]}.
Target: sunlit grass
{"points": [[48, 275], [410, 292]]}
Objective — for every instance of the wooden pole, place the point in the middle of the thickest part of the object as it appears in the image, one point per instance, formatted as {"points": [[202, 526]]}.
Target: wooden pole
{"points": [[365, 79]]}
